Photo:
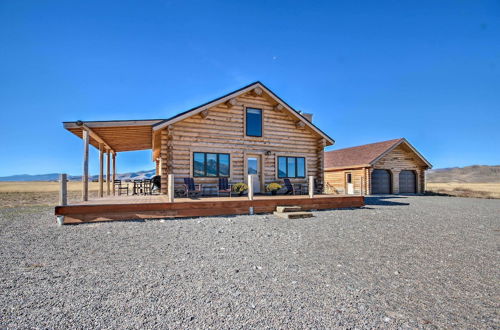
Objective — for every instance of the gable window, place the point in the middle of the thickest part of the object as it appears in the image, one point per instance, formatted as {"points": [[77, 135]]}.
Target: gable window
{"points": [[210, 164], [291, 167], [253, 122]]}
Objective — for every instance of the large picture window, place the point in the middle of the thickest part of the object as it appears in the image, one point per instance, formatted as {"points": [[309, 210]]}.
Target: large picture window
{"points": [[253, 122], [210, 165], [291, 167]]}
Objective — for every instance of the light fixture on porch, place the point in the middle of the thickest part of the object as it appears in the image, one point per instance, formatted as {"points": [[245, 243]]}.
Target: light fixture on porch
{"points": [[268, 153]]}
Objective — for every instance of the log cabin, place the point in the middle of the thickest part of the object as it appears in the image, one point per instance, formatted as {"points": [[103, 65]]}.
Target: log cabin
{"points": [[388, 167], [248, 131]]}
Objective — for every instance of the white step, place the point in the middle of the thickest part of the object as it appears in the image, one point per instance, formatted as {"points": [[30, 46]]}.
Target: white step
{"points": [[283, 209]]}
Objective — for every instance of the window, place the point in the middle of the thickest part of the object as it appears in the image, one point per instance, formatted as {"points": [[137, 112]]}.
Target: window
{"points": [[210, 164], [291, 167], [253, 122], [349, 178]]}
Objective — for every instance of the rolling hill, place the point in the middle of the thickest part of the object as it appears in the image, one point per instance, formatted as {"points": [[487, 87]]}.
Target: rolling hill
{"points": [[468, 174], [54, 176]]}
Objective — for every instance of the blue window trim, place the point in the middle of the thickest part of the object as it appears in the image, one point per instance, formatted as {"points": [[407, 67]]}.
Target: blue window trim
{"points": [[218, 165], [286, 168]]}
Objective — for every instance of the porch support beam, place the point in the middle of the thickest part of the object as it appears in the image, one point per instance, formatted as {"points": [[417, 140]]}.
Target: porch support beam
{"points": [[108, 172], [311, 186], [250, 187], [101, 163], [95, 136], [171, 191], [114, 172], [85, 175]]}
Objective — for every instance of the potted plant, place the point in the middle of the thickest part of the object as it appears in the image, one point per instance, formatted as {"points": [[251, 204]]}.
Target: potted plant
{"points": [[240, 188], [273, 188]]}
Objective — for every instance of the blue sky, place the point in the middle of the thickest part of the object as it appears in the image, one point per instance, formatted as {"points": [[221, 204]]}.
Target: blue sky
{"points": [[368, 70]]}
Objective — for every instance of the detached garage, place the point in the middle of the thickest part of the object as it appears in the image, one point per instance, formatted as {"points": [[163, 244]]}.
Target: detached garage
{"points": [[388, 167]]}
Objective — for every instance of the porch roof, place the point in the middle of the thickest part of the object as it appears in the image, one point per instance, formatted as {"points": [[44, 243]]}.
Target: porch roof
{"points": [[116, 135]]}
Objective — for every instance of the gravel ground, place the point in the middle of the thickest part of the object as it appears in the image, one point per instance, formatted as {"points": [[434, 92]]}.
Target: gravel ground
{"points": [[420, 262]]}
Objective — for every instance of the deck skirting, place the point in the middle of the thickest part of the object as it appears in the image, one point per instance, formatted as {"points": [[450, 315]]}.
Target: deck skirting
{"points": [[199, 208]]}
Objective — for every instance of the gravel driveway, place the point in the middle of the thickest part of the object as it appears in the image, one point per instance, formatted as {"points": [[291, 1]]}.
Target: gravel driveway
{"points": [[399, 262]]}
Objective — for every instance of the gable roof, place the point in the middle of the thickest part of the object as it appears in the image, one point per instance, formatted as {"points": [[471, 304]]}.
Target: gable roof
{"points": [[243, 90], [365, 155]]}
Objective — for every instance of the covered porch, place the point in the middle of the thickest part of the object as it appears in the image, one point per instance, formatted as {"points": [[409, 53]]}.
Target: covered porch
{"points": [[111, 138]]}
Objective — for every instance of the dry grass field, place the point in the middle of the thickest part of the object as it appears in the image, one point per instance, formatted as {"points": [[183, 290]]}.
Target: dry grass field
{"points": [[461, 189], [14, 194]]}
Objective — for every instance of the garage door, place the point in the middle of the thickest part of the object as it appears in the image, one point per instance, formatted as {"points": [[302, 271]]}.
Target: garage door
{"points": [[407, 182], [381, 182]]}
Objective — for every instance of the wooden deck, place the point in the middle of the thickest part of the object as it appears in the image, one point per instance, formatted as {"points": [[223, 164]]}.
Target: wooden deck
{"points": [[147, 207]]}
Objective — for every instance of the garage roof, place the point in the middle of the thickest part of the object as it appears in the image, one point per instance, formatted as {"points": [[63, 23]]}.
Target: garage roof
{"points": [[365, 155]]}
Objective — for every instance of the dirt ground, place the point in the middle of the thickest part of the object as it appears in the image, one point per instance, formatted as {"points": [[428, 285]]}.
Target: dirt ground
{"points": [[401, 262], [14, 194]]}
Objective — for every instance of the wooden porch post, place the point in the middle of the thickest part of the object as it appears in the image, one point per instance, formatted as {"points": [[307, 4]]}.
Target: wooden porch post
{"points": [[250, 187], [311, 186], [63, 196], [101, 163], [171, 190], [85, 175], [108, 173], [114, 172]]}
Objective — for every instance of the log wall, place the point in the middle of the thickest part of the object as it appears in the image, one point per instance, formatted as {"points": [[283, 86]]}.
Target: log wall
{"points": [[336, 181], [222, 130]]}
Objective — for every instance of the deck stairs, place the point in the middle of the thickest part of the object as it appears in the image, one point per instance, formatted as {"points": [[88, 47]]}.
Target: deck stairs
{"points": [[291, 212]]}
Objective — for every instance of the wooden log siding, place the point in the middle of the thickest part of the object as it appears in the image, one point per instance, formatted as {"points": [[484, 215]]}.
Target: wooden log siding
{"points": [[222, 131], [337, 180], [401, 158]]}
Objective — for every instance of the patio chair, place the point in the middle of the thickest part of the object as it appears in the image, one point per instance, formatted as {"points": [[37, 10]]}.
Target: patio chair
{"points": [[147, 186], [224, 187], [192, 189], [119, 188], [291, 189], [318, 187], [138, 187]]}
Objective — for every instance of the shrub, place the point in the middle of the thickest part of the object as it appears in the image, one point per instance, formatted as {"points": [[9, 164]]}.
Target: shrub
{"points": [[240, 187], [273, 186]]}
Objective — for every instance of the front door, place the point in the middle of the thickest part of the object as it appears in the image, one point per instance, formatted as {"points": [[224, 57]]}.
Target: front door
{"points": [[253, 168]]}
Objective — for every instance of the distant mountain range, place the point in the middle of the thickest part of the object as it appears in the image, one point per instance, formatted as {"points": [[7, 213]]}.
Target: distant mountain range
{"points": [[475, 173], [55, 176]]}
